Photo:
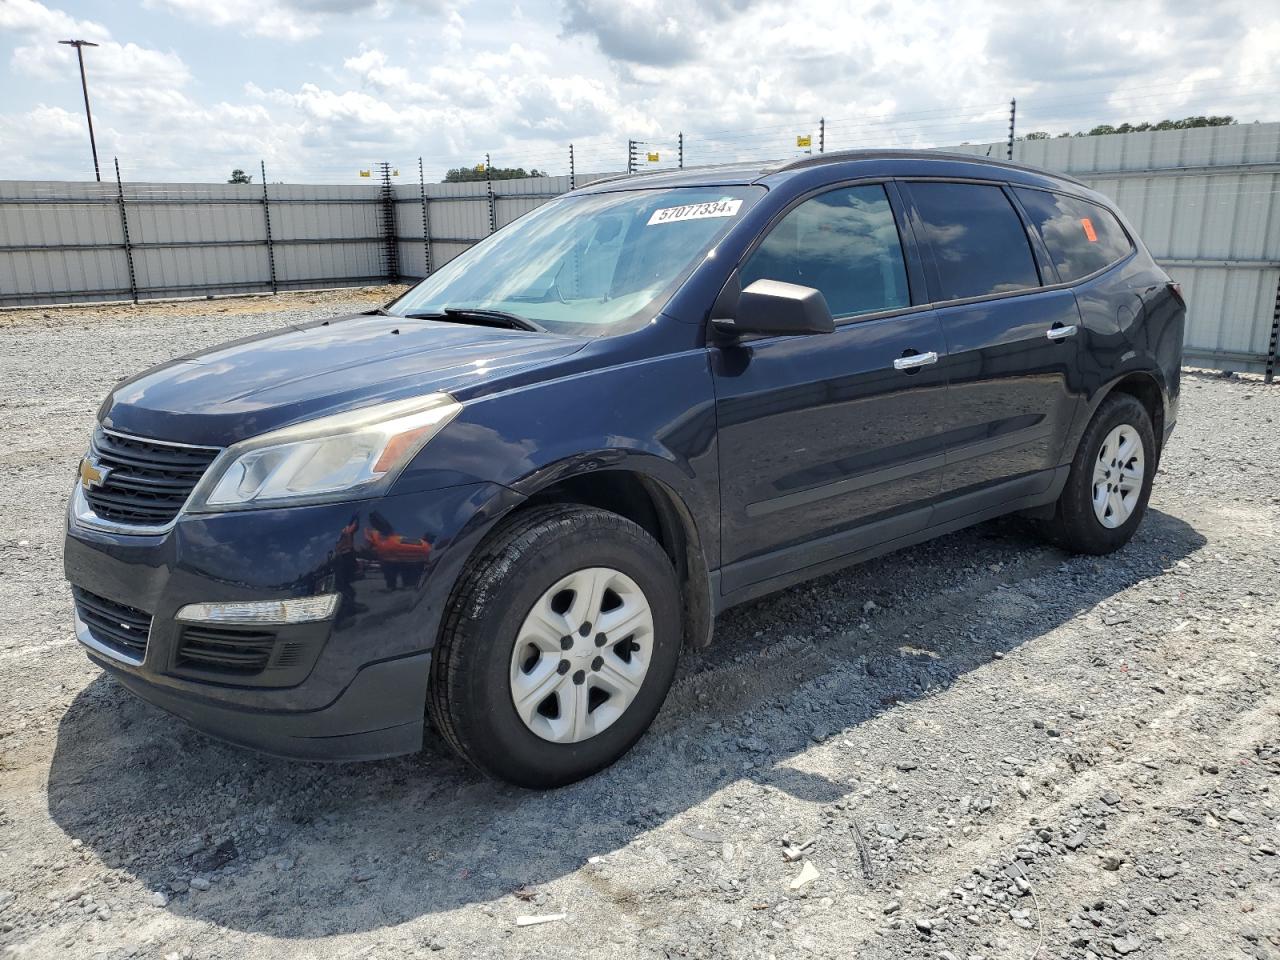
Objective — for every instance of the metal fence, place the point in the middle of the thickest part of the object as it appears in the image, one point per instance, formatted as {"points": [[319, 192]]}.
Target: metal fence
{"points": [[1206, 201]]}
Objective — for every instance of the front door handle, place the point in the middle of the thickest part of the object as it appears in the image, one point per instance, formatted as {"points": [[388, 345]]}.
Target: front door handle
{"points": [[1061, 333], [915, 360]]}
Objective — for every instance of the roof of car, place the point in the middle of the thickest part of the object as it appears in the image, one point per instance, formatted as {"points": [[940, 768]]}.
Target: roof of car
{"points": [[744, 173]]}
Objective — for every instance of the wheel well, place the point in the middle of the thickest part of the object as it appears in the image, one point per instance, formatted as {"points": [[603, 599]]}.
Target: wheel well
{"points": [[653, 507], [1147, 392]]}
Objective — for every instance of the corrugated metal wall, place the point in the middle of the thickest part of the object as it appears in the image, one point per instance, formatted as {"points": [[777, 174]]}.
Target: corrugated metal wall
{"points": [[65, 242], [1206, 201], [1207, 204]]}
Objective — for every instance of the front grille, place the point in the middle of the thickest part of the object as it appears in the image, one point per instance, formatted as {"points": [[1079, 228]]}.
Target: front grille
{"points": [[227, 650], [146, 481], [112, 624]]}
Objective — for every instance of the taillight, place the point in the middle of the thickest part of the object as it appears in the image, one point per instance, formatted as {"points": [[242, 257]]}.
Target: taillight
{"points": [[1176, 289]]}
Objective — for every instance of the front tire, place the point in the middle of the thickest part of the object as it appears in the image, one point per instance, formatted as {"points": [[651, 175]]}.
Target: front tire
{"points": [[558, 648], [1106, 494]]}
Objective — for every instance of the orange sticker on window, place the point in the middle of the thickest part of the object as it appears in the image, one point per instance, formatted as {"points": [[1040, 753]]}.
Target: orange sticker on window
{"points": [[1088, 229]]}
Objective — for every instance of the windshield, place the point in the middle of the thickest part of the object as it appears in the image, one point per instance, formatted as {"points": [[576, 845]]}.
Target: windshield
{"points": [[594, 264]]}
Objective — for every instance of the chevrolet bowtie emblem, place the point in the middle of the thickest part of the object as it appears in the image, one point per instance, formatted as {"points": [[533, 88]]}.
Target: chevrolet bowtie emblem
{"points": [[92, 476]]}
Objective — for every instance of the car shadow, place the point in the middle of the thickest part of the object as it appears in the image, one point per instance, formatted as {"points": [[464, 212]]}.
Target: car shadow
{"points": [[305, 850]]}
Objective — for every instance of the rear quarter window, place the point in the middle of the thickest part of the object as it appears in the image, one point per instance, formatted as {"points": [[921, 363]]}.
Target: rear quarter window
{"points": [[1081, 237]]}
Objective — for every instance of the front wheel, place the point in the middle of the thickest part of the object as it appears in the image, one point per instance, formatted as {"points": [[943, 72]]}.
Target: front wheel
{"points": [[1106, 493], [559, 646]]}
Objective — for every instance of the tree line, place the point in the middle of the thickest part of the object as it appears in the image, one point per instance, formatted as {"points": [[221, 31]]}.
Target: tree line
{"points": [[1102, 129]]}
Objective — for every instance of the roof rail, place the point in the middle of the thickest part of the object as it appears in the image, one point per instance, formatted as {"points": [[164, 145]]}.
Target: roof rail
{"points": [[846, 155]]}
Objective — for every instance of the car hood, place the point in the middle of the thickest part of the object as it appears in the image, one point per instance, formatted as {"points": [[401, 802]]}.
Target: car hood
{"points": [[250, 386]]}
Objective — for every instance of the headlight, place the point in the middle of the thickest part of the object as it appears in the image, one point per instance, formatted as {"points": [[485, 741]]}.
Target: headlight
{"points": [[351, 454]]}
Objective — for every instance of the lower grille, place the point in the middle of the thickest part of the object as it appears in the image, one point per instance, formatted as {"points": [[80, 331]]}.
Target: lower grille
{"points": [[145, 482], [115, 625], [236, 651]]}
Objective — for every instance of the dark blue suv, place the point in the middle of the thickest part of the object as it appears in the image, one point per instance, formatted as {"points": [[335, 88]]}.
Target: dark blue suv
{"points": [[507, 500]]}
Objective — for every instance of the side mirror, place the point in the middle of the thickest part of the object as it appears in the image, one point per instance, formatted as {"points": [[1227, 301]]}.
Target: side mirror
{"points": [[776, 308]]}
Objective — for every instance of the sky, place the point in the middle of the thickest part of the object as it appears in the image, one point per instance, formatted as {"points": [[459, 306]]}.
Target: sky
{"points": [[186, 90]]}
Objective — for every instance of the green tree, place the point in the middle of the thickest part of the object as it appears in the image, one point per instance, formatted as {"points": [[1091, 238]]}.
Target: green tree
{"points": [[1186, 123], [239, 176], [469, 174]]}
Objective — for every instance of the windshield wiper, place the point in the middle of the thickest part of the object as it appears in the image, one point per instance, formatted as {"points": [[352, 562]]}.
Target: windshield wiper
{"points": [[502, 318], [482, 316]]}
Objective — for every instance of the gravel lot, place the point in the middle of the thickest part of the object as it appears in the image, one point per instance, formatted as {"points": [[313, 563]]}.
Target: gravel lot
{"points": [[980, 747]]}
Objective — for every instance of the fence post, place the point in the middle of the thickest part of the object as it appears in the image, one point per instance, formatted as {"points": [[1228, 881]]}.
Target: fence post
{"points": [[631, 156], [1013, 112], [1274, 346], [124, 227], [822, 134], [389, 223], [681, 155], [426, 222], [573, 177], [266, 216], [488, 185]]}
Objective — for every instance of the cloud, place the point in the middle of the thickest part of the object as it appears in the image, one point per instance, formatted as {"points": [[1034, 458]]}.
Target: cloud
{"points": [[117, 69], [28, 16], [649, 32], [123, 74], [289, 19], [740, 78]]}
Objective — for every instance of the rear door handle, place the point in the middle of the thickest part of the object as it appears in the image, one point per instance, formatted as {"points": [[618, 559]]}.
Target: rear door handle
{"points": [[1061, 333], [915, 360]]}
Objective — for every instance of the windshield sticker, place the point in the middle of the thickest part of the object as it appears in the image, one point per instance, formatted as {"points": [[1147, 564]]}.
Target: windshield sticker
{"points": [[696, 211]]}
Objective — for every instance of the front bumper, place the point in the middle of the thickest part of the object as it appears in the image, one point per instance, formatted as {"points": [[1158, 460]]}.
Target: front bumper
{"points": [[361, 692], [380, 714]]}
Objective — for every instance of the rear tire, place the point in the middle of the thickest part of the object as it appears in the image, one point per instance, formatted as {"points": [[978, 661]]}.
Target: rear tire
{"points": [[1107, 490], [520, 625]]}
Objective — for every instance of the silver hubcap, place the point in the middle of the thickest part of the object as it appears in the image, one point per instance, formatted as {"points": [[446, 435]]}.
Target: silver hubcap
{"points": [[1117, 476], [581, 655]]}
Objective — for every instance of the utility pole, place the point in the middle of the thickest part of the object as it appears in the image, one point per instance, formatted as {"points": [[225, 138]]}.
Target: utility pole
{"points": [[84, 86]]}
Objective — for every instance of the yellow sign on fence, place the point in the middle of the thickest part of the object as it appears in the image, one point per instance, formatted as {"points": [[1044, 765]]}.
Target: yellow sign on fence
{"points": [[366, 173], [804, 140], [653, 158]]}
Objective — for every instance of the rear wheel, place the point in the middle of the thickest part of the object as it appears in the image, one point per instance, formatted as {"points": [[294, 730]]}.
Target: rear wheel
{"points": [[559, 646], [1106, 493]]}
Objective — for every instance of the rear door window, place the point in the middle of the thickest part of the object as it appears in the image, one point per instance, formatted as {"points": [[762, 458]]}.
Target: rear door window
{"points": [[844, 243], [1081, 237], [979, 245]]}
